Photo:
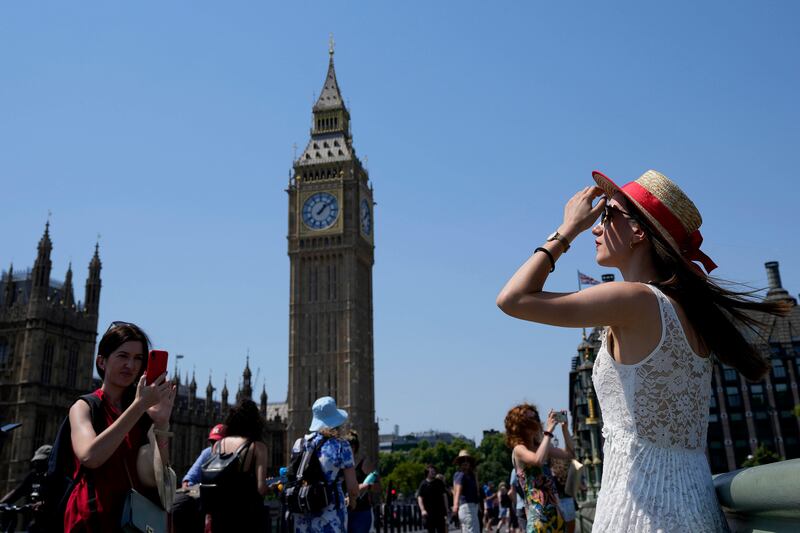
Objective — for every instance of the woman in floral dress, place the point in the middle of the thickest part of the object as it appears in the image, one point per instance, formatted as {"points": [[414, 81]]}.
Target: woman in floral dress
{"points": [[530, 449], [336, 458]]}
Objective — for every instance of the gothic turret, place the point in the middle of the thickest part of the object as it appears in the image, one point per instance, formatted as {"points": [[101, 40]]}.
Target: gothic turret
{"points": [[330, 113], [224, 403], [192, 391], [264, 401], [209, 395], [42, 267], [69, 294], [247, 387], [9, 292], [331, 141], [93, 283]]}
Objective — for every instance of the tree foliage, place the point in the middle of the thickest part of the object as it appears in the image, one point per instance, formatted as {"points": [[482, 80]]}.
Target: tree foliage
{"points": [[405, 470], [761, 456]]}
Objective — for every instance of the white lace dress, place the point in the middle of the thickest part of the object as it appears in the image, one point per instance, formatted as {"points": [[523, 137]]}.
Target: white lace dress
{"points": [[655, 416]]}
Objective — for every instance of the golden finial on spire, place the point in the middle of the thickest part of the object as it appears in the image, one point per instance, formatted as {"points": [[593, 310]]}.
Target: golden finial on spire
{"points": [[331, 44]]}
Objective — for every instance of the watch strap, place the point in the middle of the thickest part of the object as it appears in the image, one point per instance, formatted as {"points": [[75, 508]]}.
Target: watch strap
{"points": [[563, 240]]}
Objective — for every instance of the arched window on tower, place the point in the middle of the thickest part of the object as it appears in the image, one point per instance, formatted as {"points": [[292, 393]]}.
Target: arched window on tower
{"points": [[5, 351], [334, 283], [47, 362], [72, 365], [39, 430], [308, 334], [314, 283]]}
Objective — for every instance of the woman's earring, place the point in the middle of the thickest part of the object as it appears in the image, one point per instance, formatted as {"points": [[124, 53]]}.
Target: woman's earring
{"points": [[631, 245]]}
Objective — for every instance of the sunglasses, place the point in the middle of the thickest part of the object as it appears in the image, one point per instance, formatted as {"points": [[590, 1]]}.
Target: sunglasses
{"points": [[118, 323], [608, 212]]}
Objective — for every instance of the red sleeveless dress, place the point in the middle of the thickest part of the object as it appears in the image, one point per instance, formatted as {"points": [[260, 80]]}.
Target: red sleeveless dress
{"points": [[109, 483]]}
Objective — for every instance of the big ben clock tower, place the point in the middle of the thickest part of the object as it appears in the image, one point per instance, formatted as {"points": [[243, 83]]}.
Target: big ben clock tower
{"points": [[331, 252]]}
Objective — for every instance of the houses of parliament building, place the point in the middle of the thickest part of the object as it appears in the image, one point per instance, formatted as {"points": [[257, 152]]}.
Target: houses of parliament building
{"points": [[48, 339]]}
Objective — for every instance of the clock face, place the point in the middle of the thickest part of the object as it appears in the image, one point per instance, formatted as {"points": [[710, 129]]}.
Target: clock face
{"points": [[320, 210], [366, 217]]}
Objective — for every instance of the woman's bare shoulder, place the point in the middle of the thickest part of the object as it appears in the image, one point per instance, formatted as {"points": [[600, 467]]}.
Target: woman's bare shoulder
{"points": [[79, 411]]}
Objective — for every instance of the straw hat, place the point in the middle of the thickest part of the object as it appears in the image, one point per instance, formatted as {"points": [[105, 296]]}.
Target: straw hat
{"points": [[668, 210], [464, 455]]}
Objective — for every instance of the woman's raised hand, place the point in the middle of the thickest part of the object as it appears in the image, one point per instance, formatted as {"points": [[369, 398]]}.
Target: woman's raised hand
{"points": [[157, 396], [552, 421], [579, 214], [161, 410]]}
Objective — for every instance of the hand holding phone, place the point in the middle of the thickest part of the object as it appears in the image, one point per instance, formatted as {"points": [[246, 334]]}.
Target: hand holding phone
{"points": [[561, 417], [156, 365]]}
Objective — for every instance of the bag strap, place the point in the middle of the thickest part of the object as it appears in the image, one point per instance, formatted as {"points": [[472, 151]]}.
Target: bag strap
{"points": [[98, 424], [238, 450], [307, 455]]}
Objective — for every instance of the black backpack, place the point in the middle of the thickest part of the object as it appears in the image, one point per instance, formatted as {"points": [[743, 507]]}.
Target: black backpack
{"points": [[307, 490], [218, 479], [59, 482]]}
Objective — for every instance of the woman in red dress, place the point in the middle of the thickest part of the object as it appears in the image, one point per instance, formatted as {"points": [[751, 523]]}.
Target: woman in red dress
{"points": [[129, 407]]}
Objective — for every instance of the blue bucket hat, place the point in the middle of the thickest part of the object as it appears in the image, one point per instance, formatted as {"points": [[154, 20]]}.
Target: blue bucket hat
{"points": [[326, 415]]}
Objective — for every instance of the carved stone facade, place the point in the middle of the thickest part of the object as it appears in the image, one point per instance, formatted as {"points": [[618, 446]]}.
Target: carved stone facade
{"points": [[193, 418], [331, 251], [47, 346]]}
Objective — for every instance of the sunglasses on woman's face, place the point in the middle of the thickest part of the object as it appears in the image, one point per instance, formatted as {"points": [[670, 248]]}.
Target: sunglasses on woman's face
{"points": [[608, 212]]}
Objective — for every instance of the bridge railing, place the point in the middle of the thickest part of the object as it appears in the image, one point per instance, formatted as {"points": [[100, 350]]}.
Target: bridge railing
{"points": [[761, 498]]}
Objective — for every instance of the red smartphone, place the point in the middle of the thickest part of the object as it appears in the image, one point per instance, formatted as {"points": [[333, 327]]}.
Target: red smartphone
{"points": [[156, 365]]}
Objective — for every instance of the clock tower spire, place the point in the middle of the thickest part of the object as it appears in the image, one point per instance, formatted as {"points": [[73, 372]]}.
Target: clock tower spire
{"points": [[331, 253]]}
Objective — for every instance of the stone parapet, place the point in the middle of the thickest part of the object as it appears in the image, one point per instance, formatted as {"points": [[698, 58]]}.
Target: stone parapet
{"points": [[761, 498]]}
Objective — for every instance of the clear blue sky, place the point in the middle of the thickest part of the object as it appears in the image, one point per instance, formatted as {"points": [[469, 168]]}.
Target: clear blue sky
{"points": [[167, 127]]}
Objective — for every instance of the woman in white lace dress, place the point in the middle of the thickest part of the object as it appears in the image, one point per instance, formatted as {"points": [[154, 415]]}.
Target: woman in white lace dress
{"points": [[653, 371]]}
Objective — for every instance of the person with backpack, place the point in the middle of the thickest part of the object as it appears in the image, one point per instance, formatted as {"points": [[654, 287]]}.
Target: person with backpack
{"points": [[320, 461], [234, 479], [107, 429], [193, 475]]}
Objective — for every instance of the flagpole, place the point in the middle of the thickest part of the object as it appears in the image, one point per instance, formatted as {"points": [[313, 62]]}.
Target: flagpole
{"points": [[579, 290]]}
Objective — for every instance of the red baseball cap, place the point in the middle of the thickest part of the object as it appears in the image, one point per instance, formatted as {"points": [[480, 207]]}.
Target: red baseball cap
{"points": [[217, 432]]}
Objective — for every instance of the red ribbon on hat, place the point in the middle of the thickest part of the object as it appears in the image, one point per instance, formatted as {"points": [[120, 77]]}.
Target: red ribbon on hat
{"points": [[689, 243]]}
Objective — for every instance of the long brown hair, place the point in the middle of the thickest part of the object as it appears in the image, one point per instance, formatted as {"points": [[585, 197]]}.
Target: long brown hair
{"points": [[520, 427], [719, 315]]}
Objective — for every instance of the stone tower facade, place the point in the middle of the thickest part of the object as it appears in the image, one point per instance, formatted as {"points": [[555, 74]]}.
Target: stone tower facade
{"points": [[47, 347], [331, 252]]}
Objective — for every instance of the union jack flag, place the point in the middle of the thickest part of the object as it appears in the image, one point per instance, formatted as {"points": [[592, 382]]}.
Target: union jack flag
{"points": [[583, 279]]}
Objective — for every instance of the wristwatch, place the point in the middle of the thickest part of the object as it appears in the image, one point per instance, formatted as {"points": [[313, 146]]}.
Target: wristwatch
{"points": [[556, 236]]}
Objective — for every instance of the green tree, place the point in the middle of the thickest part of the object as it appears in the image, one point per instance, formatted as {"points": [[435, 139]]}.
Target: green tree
{"points": [[761, 456], [400, 467], [495, 459], [406, 477]]}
